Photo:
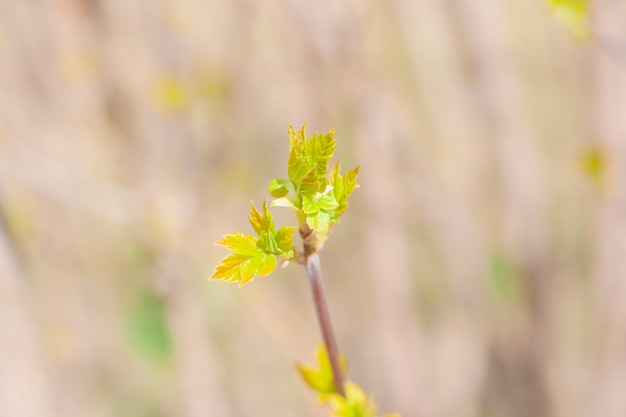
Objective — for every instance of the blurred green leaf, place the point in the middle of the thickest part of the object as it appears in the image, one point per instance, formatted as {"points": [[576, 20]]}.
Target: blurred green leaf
{"points": [[574, 13], [147, 326], [505, 283], [140, 255], [170, 94], [594, 164]]}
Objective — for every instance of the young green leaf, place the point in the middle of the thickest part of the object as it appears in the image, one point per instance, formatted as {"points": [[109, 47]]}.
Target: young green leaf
{"points": [[284, 239], [245, 263], [319, 210], [343, 186], [320, 222], [262, 223], [320, 376], [308, 159], [321, 201], [240, 243], [354, 404], [278, 243], [320, 148], [297, 164], [255, 256], [310, 183], [279, 187]]}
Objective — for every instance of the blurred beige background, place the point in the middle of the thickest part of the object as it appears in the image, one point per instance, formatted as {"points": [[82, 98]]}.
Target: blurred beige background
{"points": [[479, 272]]}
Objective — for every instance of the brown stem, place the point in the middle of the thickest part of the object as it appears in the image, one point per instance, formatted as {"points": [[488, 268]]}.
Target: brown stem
{"points": [[314, 271]]}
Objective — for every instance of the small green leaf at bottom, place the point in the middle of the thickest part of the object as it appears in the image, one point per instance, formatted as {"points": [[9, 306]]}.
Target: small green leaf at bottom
{"points": [[320, 376]]}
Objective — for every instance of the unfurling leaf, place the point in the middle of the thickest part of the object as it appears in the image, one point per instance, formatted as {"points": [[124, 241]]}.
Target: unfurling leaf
{"points": [[297, 164], [284, 238], [310, 184], [319, 210], [262, 223], [343, 186], [279, 187], [308, 159]]}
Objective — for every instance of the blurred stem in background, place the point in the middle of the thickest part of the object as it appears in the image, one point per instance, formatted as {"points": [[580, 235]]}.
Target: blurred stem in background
{"points": [[22, 370]]}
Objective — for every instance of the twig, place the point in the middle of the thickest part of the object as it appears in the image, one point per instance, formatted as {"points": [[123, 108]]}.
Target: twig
{"points": [[314, 271]]}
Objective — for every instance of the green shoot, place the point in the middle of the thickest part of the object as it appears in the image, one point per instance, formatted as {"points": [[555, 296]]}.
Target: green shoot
{"points": [[318, 196]]}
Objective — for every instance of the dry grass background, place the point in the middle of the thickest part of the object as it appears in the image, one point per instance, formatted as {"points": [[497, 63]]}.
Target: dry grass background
{"points": [[480, 271]]}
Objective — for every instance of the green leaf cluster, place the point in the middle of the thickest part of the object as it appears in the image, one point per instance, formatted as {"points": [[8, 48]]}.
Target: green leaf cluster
{"points": [[320, 378], [318, 197], [575, 15], [255, 255]]}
